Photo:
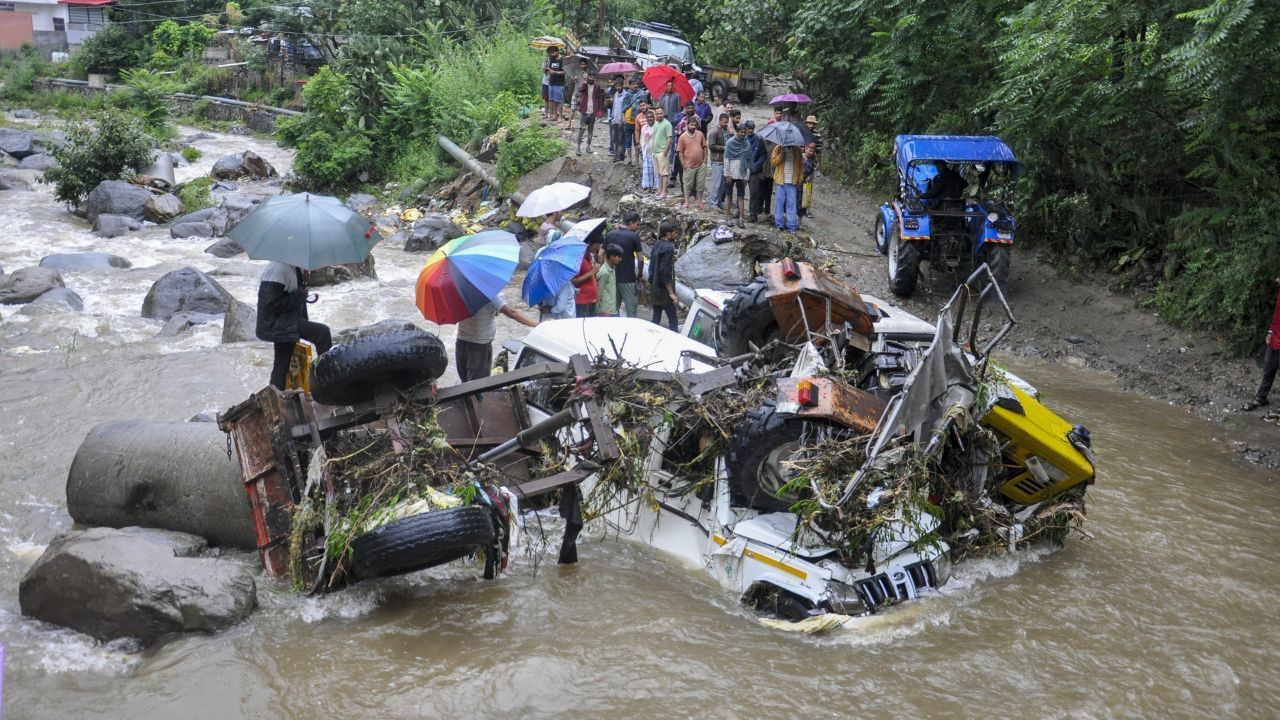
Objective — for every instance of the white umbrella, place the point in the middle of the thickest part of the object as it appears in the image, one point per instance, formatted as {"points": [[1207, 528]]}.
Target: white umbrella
{"points": [[553, 197]]}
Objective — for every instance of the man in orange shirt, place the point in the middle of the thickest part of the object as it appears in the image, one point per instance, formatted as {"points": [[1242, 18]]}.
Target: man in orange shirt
{"points": [[692, 149]]}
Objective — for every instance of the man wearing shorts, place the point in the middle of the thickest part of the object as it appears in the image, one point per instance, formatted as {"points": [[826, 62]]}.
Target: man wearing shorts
{"points": [[555, 82], [661, 150]]}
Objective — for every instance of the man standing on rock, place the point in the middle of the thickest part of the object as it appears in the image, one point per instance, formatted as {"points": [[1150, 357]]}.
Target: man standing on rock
{"points": [[662, 275], [716, 140], [590, 106], [661, 151], [738, 152], [788, 172], [282, 317], [1270, 361], [627, 240], [617, 97], [761, 173], [473, 349], [692, 150], [555, 82]]}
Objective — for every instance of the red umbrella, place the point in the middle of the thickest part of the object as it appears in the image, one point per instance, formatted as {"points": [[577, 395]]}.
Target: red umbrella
{"points": [[657, 77]]}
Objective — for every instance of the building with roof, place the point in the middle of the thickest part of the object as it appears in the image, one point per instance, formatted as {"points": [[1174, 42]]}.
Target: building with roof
{"points": [[50, 25]]}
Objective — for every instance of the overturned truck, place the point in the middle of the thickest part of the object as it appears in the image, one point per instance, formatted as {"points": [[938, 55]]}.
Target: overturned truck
{"points": [[823, 464]]}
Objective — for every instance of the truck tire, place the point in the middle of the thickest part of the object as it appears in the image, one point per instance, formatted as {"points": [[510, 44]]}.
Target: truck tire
{"points": [[422, 541], [999, 258], [904, 266], [757, 449], [353, 372], [719, 92], [747, 319], [882, 235], [746, 96]]}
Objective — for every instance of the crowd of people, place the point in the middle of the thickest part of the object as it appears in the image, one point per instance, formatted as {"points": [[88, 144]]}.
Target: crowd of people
{"points": [[711, 159]]}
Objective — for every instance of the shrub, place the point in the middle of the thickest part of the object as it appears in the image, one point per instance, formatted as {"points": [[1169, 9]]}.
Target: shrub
{"points": [[150, 94], [331, 149], [113, 146], [528, 149], [20, 78], [108, 51], [191, 154], [195, 194], [420, 164]]}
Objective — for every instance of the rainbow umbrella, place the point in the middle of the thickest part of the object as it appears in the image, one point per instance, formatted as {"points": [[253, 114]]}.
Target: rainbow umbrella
{"points": [[465, 274]]}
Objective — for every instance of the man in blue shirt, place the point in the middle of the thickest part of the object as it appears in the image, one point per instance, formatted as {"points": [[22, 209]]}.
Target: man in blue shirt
{"points": [[619, 99]]}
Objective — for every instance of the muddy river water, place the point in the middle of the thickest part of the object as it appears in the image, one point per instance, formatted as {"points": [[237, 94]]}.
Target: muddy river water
{"points": [[1168, 611]]}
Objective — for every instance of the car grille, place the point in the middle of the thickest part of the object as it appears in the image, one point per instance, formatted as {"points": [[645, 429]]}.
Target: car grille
{"points": [[896, 584]]}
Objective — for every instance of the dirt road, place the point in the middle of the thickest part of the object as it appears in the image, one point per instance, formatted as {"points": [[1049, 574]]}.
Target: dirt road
{"points": [[1061, 318]]}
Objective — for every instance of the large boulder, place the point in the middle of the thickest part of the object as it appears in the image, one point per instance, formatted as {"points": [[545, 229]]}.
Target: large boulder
{"points": [[224, 248], [162, 208], [111, 583], [47, 140], [342, 273], [214, 217], [110, 226], [186, 290], [432, 231], [240, 323], [235, 207], [27, 284], [183, 322], [84, 261], [38, 161], [708, 265], [115, 197], [57, 299], [17, 142], [25, 114], [11, 182], [246, 164], [361, 202], [191, 229]]}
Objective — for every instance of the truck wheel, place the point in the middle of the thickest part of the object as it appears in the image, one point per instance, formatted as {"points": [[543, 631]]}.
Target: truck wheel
{"points": [[758, 452], [882, 236], [999, 259], [904, 266], [747, 319], [746, 97], [422, 541], [719, 92], [353, 372]]}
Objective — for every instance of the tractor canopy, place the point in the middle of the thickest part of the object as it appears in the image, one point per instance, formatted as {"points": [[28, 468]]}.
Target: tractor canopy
{"points": [[952, 148]]}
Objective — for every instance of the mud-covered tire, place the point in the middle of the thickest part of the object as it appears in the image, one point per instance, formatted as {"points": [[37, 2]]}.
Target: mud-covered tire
{"points": [[353, 372], [719, 92], [881, 235], [999, 258], [747, 319], [904, 266], [753, 452], [422, 541]]}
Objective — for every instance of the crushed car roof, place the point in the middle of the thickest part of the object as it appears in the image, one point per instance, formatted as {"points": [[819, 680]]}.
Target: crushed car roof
{"points": [[640, 342]]}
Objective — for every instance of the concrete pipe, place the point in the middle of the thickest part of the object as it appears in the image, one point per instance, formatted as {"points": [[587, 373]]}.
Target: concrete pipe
{"points": [[171, 475]]}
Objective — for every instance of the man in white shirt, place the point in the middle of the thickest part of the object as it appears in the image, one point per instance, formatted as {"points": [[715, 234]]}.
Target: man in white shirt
{"points": [[473, 350]]}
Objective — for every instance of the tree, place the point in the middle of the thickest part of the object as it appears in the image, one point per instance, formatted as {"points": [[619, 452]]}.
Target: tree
{"points": [[113, 146]]}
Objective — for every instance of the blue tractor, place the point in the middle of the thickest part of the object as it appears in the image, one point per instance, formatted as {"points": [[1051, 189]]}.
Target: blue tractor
{"points": [[954, 207]]}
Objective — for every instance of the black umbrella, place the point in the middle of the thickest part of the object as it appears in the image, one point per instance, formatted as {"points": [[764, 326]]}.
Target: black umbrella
{"points": [[786, 134]]}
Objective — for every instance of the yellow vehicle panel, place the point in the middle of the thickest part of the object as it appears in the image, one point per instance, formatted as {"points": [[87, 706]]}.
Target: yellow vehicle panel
{"points": [[1037, 442]]}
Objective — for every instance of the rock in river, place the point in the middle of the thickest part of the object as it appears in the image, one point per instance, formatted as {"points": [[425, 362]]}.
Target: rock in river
{"points": [[240, 323], [246, 164], [115, 197], [110, 226], [27, 284], [191, 229], [162, 208], [55, 299], [432, 231], [17, 142], [335, 274], [84, 261], [186, 290], [39, 161], [224, 248], [114, 583]]}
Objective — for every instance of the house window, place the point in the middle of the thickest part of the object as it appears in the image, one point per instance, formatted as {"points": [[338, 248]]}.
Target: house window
{"points": [[7, 7], [86, 18], [59, 25]]}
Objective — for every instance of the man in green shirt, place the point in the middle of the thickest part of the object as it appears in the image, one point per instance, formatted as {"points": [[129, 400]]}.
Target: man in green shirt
{"points": [[607, 282], [661, 151]]}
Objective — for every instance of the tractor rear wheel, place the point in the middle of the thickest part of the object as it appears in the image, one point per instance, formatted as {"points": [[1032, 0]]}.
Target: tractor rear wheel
{"points": [[904, 266], [999, 259]]}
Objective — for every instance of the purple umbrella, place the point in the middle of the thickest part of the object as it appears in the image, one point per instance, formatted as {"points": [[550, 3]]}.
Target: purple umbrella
{"points": [[791, 98]]}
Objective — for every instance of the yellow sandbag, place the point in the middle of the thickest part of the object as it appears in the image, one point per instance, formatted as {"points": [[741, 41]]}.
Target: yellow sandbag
{"points": [[411, 214], [299, 377]]}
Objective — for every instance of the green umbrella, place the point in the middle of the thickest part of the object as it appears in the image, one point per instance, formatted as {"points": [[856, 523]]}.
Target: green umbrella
{"points": [[306, 231]]}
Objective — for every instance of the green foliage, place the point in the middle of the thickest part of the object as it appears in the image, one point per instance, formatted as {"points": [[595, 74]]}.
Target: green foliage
{"points": [[530, 148], [331, 149], [149, 91], [195, 194], [421, 165], [191, 153], [170, 42], [107, 51], [113, 146], [21, 74]]}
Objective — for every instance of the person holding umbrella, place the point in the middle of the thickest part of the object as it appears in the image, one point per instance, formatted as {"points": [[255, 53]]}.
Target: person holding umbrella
{"points": [[669, 101], [297, 233], [788, 172], [282, 317], [473, 349]]}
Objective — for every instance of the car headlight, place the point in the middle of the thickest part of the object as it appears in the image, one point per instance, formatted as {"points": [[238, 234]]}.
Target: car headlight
{"points": [[844, 599], [993, 217]]}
